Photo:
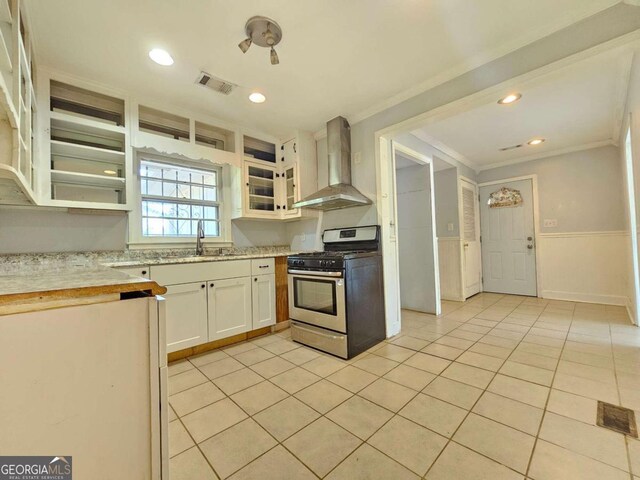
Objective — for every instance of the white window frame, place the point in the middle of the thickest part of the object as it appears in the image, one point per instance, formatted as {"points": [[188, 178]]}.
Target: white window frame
{"points": [[137, 240]]}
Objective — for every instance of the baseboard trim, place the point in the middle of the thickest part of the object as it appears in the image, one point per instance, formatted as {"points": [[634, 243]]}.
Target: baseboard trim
{"points": [[585, 297], [612, 233], [281, 326], [630, 310]]}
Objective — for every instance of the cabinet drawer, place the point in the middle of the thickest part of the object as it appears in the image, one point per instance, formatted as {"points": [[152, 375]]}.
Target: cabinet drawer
{"points": [[200, 272], [263, 266], [143, 272]]}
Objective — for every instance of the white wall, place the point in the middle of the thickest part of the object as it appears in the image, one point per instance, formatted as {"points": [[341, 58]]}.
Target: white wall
{"points": [[446, 202], [415, 239], [584, 258], [253, 233], [583, 190], [33, 230]]}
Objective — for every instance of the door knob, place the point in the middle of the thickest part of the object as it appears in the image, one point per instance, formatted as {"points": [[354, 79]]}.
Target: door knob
{"points": [[530, 247], [529, 238], [466, 245]]}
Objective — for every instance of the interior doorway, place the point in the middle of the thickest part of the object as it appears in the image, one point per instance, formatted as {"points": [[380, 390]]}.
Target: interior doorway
{"points": [[471, 250], [508, 220], [416, 231]]}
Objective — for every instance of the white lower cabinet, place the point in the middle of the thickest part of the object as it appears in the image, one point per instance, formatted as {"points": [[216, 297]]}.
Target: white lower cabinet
{"points": [[186, 315], [229, 307], [263, 292], [209, 301]]}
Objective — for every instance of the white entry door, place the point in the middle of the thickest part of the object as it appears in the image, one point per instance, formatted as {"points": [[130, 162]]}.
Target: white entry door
{"points": [[508, 242], [470, 238]]}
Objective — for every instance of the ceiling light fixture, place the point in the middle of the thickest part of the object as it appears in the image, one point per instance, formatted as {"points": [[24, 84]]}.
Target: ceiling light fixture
{"points": [[511, 98], [264, 32], [535, 141], [161, 57], [257, 97], [110, 172]]}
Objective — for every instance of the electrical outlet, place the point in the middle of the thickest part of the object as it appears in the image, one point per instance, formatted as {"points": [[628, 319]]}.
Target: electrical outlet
{"points": [[450, 227], [357, 158], [550, 222]]}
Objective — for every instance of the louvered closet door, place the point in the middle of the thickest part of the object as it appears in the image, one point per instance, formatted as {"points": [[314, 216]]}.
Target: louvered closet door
{"points": [[470, 234], [508, 244]]}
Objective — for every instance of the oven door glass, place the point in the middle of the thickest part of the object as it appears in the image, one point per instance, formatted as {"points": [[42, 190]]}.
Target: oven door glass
{"points": [[315, 295]]}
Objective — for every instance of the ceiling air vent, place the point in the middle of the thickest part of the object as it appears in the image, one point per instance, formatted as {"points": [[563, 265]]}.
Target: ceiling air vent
{"points": [[215, 84]]}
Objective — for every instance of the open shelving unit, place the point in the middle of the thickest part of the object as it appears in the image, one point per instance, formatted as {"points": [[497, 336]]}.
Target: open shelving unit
{"points": [[87, 148]]}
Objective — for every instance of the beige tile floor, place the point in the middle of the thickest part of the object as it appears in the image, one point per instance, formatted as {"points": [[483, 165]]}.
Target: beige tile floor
{"points": [[498, 387]]}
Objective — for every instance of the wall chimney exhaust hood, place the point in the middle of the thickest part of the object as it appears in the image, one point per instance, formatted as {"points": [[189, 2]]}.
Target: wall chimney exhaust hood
{"points": [[340, 193]]}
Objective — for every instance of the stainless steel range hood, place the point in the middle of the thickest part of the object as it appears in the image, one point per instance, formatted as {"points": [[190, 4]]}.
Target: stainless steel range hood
{"points": [[340, 193]]}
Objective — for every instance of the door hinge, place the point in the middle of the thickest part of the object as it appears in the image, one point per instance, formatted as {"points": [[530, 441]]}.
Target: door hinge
{"points": [[480, 238]]}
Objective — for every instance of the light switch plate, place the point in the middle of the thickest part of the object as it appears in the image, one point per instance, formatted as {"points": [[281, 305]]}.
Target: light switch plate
{"points": [[450, 227], [357, 158], [550, 222]]}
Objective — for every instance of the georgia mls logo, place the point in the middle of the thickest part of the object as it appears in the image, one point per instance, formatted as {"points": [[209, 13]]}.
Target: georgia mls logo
{"points": [[35, 468]]}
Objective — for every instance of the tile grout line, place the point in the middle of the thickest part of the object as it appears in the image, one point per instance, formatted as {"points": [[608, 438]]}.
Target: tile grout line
{"points": [[544, 410], [471, 411]]}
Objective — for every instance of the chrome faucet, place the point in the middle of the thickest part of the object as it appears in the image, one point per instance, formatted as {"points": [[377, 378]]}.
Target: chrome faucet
{"points": [[199, 237]]}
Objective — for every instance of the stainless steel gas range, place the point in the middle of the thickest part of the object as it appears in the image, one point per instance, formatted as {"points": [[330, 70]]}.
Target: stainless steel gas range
{"points": [[336, 297]]}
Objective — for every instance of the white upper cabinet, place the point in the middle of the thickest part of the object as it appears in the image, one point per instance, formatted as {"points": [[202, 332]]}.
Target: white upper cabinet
{"points": [[299, 174], [17, 107]]}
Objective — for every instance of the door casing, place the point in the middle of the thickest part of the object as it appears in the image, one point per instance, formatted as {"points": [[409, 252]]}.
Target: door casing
{"points": [[536, 220]]}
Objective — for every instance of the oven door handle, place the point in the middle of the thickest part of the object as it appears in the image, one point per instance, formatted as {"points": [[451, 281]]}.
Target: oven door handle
{"points": [[315, 274]]}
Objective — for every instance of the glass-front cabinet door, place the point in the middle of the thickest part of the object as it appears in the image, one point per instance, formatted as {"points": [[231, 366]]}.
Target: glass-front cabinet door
{"points": [[290, 189], [260, 189]]}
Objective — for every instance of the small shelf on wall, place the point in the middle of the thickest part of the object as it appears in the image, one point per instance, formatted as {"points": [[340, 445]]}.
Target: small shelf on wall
{"points": [[73, 150], [163, 124], [257, 149], [83, 103], [214, 137], [87, 180]]}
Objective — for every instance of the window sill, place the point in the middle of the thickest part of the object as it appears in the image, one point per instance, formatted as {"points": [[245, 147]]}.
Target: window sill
{"points": [[175, 243]]}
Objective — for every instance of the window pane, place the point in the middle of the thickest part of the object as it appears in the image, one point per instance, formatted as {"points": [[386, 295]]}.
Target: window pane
{"points": [[184, 211], [169, 189], [184, 191], [210, 194], [154, 187], [190, 194], [197, 211], [211, 229]]}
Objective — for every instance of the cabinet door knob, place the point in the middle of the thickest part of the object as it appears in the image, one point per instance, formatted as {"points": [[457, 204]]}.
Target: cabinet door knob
{"points": [[255, 279], [212, 285], [144, 272], [202, 286]]}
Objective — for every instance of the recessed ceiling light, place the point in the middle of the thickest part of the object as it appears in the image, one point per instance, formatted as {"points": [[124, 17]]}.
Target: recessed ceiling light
{"points": [[257, 97], [161, 57], [536, 141], [511, 98], [110, 172]]}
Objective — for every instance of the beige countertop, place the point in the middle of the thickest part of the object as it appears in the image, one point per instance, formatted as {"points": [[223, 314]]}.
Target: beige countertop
{"points": [[193, 259], [55, 277], [44, 282]]}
